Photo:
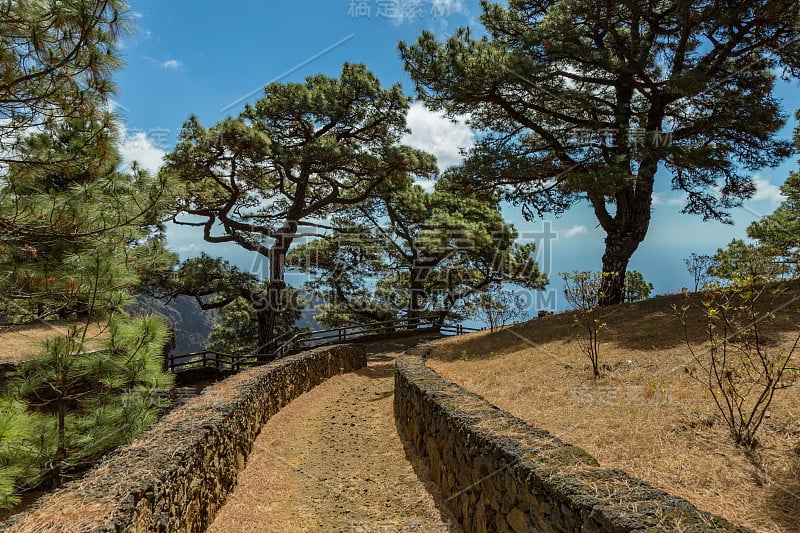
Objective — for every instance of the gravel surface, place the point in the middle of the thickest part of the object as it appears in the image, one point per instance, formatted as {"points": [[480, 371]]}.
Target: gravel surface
{"points": [[332, 461]]}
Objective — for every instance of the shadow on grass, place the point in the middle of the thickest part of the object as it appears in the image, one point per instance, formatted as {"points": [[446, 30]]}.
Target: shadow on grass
{"points": [[783, 496], [649, 325]]}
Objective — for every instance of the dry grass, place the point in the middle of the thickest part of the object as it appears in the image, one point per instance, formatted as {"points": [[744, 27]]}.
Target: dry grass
{"points": [[646, 415], [19, 343]]}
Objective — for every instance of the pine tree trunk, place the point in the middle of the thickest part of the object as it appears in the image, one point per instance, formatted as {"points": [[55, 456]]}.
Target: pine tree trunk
{"points": [[268, 308], [269, 316], [271, 305], [625, 230], [615, 265], [419, 276], [264, 345], [621, 243], [417, 292]]}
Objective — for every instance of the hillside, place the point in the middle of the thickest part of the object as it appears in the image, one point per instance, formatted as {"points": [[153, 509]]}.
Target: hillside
{"points": [[21, 342], [646, 415], [190, 324]]}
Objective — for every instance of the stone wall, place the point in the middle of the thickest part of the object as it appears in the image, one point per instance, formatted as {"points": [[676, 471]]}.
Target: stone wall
{"points": [[177, 474], [497, 473]]}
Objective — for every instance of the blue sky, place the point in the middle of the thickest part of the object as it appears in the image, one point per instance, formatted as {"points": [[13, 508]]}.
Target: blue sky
{"points": [[207, 59]]}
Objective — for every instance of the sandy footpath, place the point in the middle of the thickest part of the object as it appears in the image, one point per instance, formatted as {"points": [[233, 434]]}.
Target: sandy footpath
{"points": [[332, 461]]}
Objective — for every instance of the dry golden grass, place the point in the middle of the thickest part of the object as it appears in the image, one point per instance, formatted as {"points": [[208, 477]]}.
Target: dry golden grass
{"points": [[19, 343], [646, 415]]}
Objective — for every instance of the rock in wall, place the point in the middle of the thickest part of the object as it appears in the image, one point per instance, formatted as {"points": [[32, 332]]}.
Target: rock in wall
{"points": [[177, 474], [497, 473]]}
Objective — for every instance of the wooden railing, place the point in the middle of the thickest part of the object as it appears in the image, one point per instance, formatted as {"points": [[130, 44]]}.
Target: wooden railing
{"points": [[292, 343]]}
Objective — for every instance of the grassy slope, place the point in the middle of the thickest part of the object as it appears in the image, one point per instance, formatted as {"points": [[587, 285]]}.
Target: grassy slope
{"points": [[646, 415], [19, 343]]}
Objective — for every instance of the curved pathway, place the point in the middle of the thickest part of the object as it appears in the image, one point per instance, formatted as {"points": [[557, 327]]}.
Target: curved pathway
{"points": [[332, 461]]}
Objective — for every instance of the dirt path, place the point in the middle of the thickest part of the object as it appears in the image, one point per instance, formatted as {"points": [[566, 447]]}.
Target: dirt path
{"points": [[332, 461]]}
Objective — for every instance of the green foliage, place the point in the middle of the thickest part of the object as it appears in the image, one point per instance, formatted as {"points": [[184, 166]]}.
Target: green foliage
{"points": [[77, 236], [741, 367], [212, 281], [586, 99], [780, 232], [741, 262], [699, 266], [636, 288], [18, 453], [303, 152], [56, 64], [342, 264], [217, 284], [410, 253], [583, 291], [73, 405], [75, 241], [97, 399], [237, 331]]}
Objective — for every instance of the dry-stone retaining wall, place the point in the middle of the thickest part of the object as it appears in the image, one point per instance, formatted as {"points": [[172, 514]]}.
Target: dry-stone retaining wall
{"points": [[499, 474], [176, 475]]}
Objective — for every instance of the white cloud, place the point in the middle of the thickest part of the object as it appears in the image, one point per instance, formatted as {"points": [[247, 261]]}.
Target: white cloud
{"points": [[193, 247], [438, 135], [140, 148], [766, 191], [445, 8], [136, 14], [575, 231], [427, 185], [660, 198], [171, 64]]}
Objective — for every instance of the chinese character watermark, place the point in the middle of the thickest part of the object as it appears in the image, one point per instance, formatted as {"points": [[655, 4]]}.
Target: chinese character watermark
{"points": [[143, 139], [399, 10], [634, 137]]}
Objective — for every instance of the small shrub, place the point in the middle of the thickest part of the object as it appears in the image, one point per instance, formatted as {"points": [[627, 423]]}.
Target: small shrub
{"points": [[739, 368], [582, 291], [636, 287], [498, 307]]}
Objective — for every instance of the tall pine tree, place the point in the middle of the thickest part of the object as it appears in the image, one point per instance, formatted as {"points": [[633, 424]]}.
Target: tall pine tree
{"points": [[587, 99], [76, 235], [303, 152]]}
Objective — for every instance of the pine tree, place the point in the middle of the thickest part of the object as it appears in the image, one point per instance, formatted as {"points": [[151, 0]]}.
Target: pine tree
{"points": [[587, 99], [303, 152], [83, 262], [431, 252], [636, 288], [76, 236], [779, 232], [56, 63]]}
